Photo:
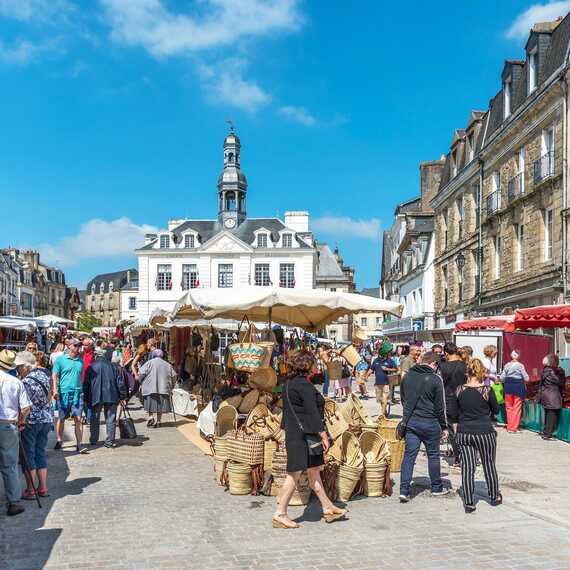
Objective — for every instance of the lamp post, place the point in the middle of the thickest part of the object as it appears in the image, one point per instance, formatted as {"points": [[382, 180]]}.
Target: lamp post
{"points": [[460, 261]]}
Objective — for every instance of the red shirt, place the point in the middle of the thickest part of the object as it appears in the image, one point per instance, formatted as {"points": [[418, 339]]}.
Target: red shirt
{"points": [[87, 361]]}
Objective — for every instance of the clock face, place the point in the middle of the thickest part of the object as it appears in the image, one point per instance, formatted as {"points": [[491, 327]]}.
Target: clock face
{"points": [[230, 223]]}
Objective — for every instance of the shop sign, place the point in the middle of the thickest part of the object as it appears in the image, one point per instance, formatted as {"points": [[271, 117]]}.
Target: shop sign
{"points": [[418, 326], [450, 319], [13, 308]]}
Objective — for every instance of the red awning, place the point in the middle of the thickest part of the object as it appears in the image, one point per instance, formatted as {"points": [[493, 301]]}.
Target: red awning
{"points": [[499, 322], [545, 317]]}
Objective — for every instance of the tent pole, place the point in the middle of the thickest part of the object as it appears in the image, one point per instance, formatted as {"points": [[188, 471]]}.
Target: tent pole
{"points": [[269, 316]]}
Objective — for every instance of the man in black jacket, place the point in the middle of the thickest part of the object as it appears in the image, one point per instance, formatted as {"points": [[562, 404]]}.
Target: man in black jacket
{"points": [[424, 414], [104, 388]]}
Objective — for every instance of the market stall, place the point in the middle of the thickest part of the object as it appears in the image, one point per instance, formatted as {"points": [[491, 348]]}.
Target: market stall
{"points": [[14, 331]]}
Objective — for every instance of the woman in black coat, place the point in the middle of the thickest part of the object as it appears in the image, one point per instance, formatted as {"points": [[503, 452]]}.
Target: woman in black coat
{"points": [[303, 409], [551, 391]]}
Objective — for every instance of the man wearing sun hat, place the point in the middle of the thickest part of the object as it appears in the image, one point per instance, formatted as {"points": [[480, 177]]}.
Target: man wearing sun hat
{"points": [[14, 407]]}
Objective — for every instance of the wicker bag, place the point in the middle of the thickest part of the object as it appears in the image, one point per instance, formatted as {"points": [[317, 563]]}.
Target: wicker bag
{"points": [[219, 468], [249, 401], [239, 478], [373, 447], [261, 420], [348, 478], [263, 379], [234, 401], [221, 446], [351, 454], [249, 355], [334, 421], [269, 449], [226, 420], [374, 478], [350, 354], [397, 449], [387, 428], [334, 369], [245, 448]]}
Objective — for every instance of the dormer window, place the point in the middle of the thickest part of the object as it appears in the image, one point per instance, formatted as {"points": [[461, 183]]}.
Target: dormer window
{"points": [[110, 286], [101, 288], [287, 240], [261, 240], [507, 97], [454, 163], [164, 242], [93, 289], [471, 143], [189, 242], [532, 70]]}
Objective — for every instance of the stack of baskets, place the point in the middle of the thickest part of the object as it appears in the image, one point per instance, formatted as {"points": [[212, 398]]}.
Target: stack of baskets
{"points": [[356, 416], [351, 466], [387, 431], [376, 453], [302, 493], [226, 421]]}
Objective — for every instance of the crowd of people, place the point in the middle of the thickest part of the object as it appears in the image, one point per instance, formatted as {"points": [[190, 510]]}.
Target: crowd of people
{"points": [[80, 379]]}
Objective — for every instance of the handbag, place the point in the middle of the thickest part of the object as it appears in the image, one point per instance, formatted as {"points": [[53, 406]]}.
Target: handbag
{"points": [[403, 425], [314, 443], [127, 428], [247, 355], [498, 389]]}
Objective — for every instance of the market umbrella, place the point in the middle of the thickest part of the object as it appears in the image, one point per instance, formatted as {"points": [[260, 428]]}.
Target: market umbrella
{"points": [[498, 322], [50, 320], [310, 309], [17, 323]]}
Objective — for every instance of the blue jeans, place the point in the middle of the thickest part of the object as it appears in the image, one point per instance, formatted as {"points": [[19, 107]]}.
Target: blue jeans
{"points": [[9, 454], [427, 432], [35, 438], [326, 384], [110, 421]]}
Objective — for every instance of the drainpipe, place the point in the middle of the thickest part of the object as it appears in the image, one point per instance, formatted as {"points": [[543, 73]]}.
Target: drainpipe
{"points": [[564, 217], [480, 233]]}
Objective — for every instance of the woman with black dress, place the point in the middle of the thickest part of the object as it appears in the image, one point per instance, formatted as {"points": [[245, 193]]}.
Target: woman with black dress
{"points": [[472, 407], [551, 391], [303, 409]]}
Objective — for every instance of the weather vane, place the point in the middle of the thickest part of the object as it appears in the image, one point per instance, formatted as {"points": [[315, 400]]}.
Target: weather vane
{"points": [[231, 124]]}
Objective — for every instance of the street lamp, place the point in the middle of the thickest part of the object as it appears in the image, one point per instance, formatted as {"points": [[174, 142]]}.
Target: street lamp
{"points": [[460, 260]]}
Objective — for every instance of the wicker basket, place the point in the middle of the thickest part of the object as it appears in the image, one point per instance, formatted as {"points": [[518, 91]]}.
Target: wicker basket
{"points": [[351, 454], [249, 402], [387, 429], [221, 447], [239, 478], [370, 428], [347, 479], [350, 354], [226, 420], [269, 449], [245, 448], [397, 448], [373, 447], [374, 477], [260, 420], [219, 466], [334, 369], [336, 424]]}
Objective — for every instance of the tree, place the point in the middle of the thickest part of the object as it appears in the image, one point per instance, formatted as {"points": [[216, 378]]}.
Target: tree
{"points": [[86, 322]]}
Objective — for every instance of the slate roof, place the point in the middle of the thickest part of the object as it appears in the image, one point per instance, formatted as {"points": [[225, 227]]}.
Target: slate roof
{"points": [[118, 278], [245, 231], [371, 292], [327, 265]]}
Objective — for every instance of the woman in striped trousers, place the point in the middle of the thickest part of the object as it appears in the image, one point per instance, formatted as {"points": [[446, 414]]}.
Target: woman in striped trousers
{"points": [[472, 407]]}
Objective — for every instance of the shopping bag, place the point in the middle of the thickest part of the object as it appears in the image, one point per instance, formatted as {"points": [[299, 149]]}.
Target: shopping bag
{"points": [[498, 389], [126, 424]]}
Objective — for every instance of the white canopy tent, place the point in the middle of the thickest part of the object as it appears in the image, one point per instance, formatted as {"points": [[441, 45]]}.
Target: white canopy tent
{"points": [[310, 309], [17, 323], [51, 320]]}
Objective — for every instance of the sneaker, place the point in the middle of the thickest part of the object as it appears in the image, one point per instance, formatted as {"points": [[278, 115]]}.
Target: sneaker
{"points": [[470, 509], [81, 449], [110, 445], [57, 445], [15, 509], [404, 498], [441, 493], [498, 501]]}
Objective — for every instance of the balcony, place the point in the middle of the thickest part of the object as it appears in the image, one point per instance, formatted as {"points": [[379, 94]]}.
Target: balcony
{"points": [[543, 168], [493, 202], [515, 187]]}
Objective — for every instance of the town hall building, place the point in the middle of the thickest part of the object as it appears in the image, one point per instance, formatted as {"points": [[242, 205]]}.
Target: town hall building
{"points": [[233, 250]]}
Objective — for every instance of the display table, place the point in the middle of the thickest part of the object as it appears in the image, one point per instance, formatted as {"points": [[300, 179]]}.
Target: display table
{"points": [[533, 420]]}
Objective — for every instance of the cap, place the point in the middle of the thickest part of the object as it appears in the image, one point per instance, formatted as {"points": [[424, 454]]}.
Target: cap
{"points": [[25, 358]]}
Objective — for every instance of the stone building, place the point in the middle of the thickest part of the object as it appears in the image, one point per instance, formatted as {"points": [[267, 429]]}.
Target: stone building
{"points": [[103, 295], [9, 276], [501, 207], [370, 323], [407, 271]]}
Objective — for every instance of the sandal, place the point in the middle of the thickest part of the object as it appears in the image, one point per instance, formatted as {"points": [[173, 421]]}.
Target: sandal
{"points": [[29, 495], [278, 521], [150, 422], [331, 516], [43, 493]]}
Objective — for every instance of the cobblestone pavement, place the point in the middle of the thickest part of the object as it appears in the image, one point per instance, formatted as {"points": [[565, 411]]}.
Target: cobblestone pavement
{"points": [[154, 504]]}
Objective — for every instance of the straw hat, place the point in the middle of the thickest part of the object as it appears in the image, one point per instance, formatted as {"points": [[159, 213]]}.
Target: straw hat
{"points": [[26, 358], [7, 358]]}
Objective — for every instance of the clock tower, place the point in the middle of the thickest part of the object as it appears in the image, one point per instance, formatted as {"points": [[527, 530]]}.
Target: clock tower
{"points": [[232, 184]]}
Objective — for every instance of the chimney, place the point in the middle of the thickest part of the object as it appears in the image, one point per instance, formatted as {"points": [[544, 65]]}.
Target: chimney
{"points": [[430, 177], [297, 221], [174, 223]]}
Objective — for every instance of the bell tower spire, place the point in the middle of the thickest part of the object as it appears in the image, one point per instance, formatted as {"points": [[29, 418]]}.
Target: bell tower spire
{"points": [[232, 184]]}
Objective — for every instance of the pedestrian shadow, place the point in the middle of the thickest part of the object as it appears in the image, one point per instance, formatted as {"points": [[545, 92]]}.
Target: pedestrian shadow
{"points": [[136, 442], [313, 511]]}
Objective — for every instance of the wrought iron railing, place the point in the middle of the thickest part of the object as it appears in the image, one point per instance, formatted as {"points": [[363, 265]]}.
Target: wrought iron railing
{"points": [[493, 202], [515, 187], [543, 167]]}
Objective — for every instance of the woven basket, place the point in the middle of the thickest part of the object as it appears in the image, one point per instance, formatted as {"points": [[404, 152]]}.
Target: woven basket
{"points": [[302, 492], [248, 356], [249, 402], [336, 424], [245, 448], [374, 477], [334, 369], [226, 420], [279, 464], [351, 454], [373, 447], [387, 428], [260, 420], [350, 354], [372, 427], [397, 448], [239, 478], [263, 379], [234, 401], [347, 479], [219, 466], [221, 446], [269, 449], [359, 409]]}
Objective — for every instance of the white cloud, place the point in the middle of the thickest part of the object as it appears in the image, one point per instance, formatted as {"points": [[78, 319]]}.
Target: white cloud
{"points": [[212, 23], [299, 115], [343, 225], [523, 23], [225, 84], [23, 52], [37, 10], [96, 239]]}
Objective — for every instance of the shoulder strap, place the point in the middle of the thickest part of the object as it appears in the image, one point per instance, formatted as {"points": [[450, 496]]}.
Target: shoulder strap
{"points": [[44, 389], [420, 394], [292, 408]]}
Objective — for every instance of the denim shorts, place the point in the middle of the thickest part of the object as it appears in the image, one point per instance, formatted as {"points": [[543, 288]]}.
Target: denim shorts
{"points": [[70, 404]]}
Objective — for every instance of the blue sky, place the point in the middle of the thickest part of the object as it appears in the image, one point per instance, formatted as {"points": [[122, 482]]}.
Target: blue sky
{"points": [[112, 113]]}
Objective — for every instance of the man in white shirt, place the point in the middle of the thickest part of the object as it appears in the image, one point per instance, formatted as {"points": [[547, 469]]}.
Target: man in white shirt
{"points": [[14, 407]]}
